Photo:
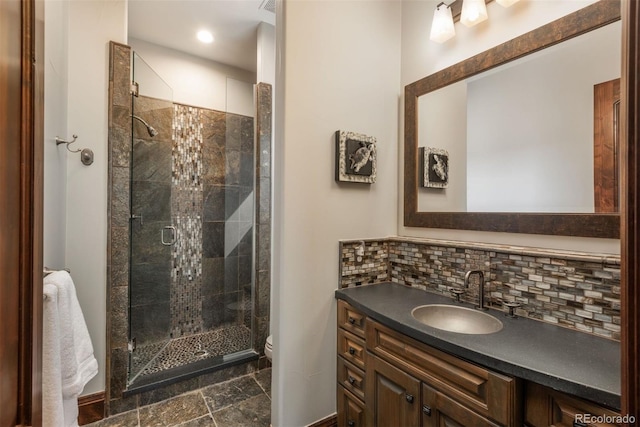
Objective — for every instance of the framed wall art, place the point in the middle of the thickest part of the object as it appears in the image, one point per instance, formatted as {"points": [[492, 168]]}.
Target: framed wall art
{"points": [[355, 157], [435, 166]]}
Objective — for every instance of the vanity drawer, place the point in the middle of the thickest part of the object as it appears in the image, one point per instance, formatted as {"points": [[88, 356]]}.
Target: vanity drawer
{"points": [[351, 411], [352, 378], [490, 394], [350, 319], [351, 348]]}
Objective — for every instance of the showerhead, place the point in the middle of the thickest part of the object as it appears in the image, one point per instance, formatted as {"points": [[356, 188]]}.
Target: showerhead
{"points": [[150, 129]]}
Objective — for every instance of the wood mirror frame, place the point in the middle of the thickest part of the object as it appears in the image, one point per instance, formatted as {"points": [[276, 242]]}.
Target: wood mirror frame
{"points": [[582, 21]]}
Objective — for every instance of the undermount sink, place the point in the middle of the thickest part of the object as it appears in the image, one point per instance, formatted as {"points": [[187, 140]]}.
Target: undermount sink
{"points": [[456, 319]]}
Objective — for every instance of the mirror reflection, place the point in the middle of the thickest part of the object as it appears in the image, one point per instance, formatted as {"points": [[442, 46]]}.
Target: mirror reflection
{"points": [[534, 135]]}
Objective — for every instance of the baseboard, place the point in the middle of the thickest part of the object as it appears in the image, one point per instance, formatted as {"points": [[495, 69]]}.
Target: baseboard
{"points": [[90, 408], [330, 421]]}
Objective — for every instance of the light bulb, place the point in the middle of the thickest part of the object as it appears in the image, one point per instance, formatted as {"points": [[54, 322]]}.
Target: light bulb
{"points": [[473, 12], [442, 28], [506, 3], [205, 36]]}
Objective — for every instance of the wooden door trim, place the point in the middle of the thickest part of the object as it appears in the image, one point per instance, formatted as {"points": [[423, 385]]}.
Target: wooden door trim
{"points": [[606, 141], [31, 213], [630, 208]]}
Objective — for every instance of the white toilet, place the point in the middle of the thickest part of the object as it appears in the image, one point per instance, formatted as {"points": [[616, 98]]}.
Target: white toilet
{"points": [[268, 347]]}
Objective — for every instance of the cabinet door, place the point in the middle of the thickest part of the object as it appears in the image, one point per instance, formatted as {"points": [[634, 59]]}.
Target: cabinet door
{"points": [[549, 408], [438, 410], [350, 409], [392, 396]]}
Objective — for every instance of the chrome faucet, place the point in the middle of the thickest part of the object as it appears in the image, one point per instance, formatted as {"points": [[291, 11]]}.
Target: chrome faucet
{"points": [[480, 274]]}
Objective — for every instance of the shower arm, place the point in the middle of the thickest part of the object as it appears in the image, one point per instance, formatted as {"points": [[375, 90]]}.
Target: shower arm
{"points": [[150, 129]]}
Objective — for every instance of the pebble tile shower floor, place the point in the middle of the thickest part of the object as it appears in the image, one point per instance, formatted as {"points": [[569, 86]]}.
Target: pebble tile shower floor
{"points": [[182, 351], [240, 402]]}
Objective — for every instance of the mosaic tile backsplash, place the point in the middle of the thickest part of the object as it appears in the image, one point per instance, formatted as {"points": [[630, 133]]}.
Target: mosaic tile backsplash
{"points": [[576, 290]]}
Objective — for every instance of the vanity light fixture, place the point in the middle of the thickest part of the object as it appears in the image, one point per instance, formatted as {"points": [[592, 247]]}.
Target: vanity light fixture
{"points": [[473, 12], [442, 28], [205, 36]]}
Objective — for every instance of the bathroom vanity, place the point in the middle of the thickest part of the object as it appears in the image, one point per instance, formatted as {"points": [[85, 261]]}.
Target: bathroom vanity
{"points": [[393, 370]]}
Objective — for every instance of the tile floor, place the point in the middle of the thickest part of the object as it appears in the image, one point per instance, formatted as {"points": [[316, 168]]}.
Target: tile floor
{"points": [[240, 402]]}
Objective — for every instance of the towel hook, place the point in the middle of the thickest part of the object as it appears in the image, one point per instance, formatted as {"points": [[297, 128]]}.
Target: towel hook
{"points": [[86, 155]]}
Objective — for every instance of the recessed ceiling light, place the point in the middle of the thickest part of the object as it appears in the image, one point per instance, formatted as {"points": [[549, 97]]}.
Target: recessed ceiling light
{"points": [[205, 36]]}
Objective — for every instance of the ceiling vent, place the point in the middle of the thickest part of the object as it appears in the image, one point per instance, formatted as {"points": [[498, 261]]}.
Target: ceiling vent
{"points": [[269, 5]]}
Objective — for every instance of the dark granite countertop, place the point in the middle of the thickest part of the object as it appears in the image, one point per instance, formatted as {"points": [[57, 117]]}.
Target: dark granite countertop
{"points": [[568, 361]]}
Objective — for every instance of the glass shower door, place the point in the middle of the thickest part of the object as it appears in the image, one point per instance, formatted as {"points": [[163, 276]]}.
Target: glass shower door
{"points": [[152, 229], [192, 264]]}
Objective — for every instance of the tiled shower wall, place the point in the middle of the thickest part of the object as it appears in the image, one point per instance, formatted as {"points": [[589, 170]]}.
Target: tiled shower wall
{"points": [[576, 290], [197, 175], [227, 180]]}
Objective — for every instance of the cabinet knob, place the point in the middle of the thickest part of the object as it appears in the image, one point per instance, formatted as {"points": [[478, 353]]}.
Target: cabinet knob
{"points": [[352, 380], [427, 410], [352, 320], [579, 424], [352, 351], [351, 423], [409, 398]]}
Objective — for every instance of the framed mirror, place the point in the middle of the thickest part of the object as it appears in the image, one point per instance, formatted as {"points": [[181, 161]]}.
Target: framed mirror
{"points": [[541, 96]]}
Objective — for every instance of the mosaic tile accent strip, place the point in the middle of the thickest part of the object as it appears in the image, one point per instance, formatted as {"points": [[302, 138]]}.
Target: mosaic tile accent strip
{"points": [[186, 212], [568, 289], [193, 348], [363, 262]]}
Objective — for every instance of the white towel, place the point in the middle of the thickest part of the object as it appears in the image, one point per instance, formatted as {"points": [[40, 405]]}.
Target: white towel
{"points": [[52, 412], [77, 364]]}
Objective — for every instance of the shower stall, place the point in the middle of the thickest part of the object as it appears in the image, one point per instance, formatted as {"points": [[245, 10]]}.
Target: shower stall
{"points": [[191, 230]]}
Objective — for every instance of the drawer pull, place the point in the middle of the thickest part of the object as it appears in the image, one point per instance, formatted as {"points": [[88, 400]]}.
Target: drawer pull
{"points": [[352, 351], [351, 423], [427, 410], [409, 398], [352, 320], [579, 424], [352, 380]]}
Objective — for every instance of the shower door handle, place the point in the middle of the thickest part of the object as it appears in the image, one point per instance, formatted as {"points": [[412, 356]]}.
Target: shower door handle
{"points": [[172, 238]]}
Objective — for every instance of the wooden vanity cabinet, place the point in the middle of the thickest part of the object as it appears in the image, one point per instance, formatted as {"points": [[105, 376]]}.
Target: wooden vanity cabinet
{"points": [[388, 379], [351, 364], [545, 407], [459, 384]]}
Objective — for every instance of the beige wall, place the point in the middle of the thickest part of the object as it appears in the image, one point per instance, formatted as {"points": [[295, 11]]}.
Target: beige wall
{"points": [[338, 69], [55, 124], [92, 24], [196, 81], [422, 57]]}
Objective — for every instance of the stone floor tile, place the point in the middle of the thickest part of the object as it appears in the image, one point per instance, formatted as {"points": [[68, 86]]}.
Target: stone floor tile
{"points": [[263, 377], [174, 411], [205, 421], [253, 412], [125, 419], [221, 395]]}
